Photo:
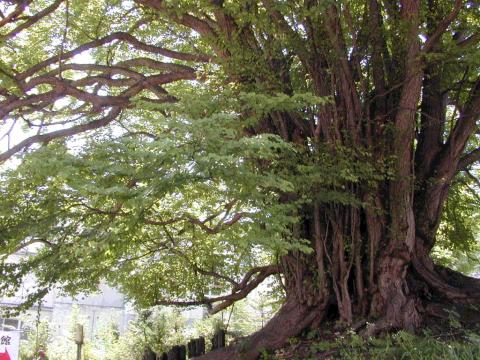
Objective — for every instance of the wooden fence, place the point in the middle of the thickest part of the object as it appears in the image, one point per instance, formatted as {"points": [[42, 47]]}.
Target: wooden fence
{"points": [[194, 348]]}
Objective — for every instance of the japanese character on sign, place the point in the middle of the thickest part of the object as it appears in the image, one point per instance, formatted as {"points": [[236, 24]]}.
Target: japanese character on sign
{"points": [[9, 345]]}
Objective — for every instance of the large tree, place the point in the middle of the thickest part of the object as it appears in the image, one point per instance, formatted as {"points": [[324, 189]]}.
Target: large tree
{"points": [[187, 150]]}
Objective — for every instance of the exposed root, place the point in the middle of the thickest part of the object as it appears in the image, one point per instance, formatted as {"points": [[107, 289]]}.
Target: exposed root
{"points": [[289, 322], [428, 298], [380, 326], [447, 283]]}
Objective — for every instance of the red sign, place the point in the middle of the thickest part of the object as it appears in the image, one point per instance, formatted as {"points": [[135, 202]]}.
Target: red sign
{"points": [[5, 356], [9, 345]]}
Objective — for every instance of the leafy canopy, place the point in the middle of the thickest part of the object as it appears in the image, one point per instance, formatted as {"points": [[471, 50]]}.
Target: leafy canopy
{"points": [[178, 198]]}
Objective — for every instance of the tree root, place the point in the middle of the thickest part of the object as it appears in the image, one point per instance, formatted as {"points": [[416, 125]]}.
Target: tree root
{"points": [[380, 326], [289, 322], [435, 293], [448, 283]]}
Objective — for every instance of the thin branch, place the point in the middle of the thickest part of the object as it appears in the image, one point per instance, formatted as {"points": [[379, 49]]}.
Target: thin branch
{"points": [[474, 179], [15, 14], [77, 129], [163, 223], [198, 269], [33, 19], [237, 294], [119, 36], [467, 160], [463, 129], [220, 225], [31, 242], [472, 39], [114, 212], [442, 27]]}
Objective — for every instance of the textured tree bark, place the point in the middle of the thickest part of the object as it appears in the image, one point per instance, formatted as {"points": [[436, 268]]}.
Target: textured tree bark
{"points": [[367, 263], [389, 286], [292, 319]]}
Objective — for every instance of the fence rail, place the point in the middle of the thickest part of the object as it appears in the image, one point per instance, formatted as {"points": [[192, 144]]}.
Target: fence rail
{"points": [[195, 347]]}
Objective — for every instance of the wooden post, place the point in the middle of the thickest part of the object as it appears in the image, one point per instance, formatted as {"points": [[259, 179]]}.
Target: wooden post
{"points": [[196, 347], [214, 342], [178, 352], [182, 352], [192, 349], [218, 340], [148, 354], [79, 340], [200, 344], [221, 339]]}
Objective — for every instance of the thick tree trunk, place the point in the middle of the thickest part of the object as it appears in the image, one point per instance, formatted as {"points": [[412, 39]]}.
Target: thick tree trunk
{"points": [[291, 320], [368, 263], [355, 277]]}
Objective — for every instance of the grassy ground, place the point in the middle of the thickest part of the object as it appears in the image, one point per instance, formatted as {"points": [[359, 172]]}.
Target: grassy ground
{"points": [[453, 344]]}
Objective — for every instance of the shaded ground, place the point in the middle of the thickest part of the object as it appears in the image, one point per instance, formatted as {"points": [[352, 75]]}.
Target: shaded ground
{"points": [[453, 343]]}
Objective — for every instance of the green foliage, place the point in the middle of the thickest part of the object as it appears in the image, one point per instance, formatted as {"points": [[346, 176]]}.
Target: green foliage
{"points": [[40, 335], [458, 238], [399, 346], [38, 338], [242, 318], [177, 201], [158, 329], [403, 345], [461, 219], [152, 213]]}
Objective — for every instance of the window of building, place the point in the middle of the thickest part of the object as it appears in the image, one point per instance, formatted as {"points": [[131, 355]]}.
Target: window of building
{"points": [[10, 324]]}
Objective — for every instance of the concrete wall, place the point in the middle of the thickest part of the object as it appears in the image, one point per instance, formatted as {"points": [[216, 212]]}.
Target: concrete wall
{"points": [[106, 306]]}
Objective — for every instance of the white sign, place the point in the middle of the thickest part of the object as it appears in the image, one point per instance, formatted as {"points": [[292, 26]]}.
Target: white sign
{"points": [[9, 345]]}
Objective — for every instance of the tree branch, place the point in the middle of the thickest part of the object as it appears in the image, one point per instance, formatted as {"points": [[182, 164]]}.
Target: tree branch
{"points": [[112, 114], [202, 27], [120, 36], [243, 291], [468, 159], [31, 242], [442, 27], [190, 21], [463, 129], [198, 269], [220, 225], [15, 14], [245, 287], [33, 19], [64, 87]]}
